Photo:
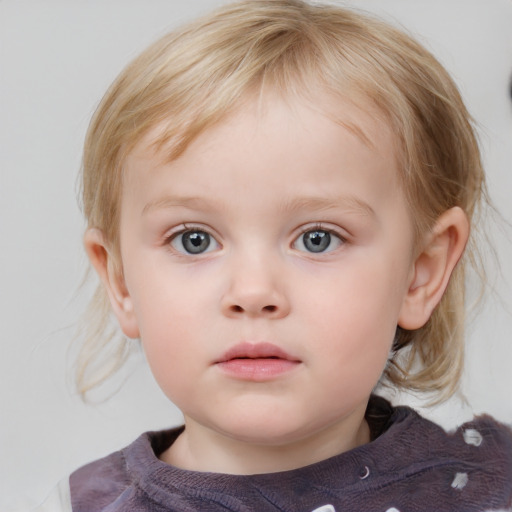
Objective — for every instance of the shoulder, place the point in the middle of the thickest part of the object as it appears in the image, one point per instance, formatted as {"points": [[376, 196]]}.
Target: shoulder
{"points": [[116, 477], [486, 445], [99, 482], [468, 466]]}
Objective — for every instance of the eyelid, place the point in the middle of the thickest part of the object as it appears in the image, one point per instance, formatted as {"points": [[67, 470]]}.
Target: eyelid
{"points": [[186, 228], [319, 226]]}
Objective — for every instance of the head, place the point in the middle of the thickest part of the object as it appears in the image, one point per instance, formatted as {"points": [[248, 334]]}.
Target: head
{"points": [[197, 77]]}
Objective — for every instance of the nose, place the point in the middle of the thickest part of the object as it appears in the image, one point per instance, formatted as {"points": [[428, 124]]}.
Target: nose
{"points": [[256, 288]]}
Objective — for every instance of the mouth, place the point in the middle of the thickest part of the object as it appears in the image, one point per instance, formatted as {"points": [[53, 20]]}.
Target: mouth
{"points": [[257, 362], [256, 351]]}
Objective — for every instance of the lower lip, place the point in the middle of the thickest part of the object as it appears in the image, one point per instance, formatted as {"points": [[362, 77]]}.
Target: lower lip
{"points": [[258, 370]]}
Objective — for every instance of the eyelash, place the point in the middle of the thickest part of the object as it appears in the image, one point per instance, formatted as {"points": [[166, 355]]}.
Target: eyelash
{"points": [[319, 227], [185, 228]]}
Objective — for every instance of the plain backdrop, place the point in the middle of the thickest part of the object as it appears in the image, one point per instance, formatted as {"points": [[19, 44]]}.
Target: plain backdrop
{"points": [[57, 58]]}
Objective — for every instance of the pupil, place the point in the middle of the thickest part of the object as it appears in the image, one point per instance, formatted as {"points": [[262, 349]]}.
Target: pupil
{"points": [[196, 242], [317, 241]]}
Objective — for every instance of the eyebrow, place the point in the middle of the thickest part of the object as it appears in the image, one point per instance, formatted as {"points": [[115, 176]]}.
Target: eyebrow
{"points": [[349, 203], [175, 201]]}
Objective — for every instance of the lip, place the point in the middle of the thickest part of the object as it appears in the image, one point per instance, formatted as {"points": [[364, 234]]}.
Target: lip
{"points": [[256, 362]]}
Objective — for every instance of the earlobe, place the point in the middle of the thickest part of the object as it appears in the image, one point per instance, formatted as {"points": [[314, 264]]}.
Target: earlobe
{"points": [[103, 261], [442, 249]]}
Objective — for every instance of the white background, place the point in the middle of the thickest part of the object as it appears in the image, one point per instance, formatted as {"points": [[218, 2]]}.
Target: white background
{"points": [[57, 58]]}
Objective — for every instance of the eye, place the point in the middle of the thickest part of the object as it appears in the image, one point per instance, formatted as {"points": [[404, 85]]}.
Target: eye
{"points": [[194, 241], [318, 240]]}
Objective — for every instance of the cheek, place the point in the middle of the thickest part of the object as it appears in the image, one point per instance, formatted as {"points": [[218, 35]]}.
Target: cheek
{"points": [[355, 359], [168, 302], [175, 315], [366, 298], [169, 349], [356, 319]]}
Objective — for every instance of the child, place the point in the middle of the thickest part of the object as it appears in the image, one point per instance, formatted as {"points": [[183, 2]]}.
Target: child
{"points": [[278, 199]]}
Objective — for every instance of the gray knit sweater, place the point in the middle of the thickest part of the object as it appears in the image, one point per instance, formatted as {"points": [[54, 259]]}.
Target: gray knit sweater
{"points": [[411, 465]]}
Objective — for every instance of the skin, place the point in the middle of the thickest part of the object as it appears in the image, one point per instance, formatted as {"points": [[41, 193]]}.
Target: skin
{"points": [[255, 184]]}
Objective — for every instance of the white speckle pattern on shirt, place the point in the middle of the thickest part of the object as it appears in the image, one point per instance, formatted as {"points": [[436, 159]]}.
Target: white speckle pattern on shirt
{"points": [[460, 481], [472, 436]]}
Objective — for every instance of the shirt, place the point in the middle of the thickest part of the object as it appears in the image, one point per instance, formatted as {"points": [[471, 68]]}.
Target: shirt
{"points": [[410, 465]]}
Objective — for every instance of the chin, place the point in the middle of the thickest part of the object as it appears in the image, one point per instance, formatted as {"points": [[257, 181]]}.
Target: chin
{"points": [[265, 431]]}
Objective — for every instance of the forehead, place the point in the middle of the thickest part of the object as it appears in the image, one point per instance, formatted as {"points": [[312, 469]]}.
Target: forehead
{"points": [[353, 112], [286, 152]]}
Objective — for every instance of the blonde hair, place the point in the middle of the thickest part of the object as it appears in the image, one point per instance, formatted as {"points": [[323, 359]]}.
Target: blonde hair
{"points": [[193, 77]]}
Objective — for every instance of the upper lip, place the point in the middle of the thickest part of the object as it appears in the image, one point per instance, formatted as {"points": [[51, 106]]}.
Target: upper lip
{"points": [[248, 350]]}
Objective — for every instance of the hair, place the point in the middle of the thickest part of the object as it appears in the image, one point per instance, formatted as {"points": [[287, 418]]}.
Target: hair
{"points": [[193, 77]]}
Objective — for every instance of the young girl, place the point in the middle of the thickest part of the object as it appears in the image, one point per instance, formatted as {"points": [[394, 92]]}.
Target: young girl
{"points": [[278, 200]]}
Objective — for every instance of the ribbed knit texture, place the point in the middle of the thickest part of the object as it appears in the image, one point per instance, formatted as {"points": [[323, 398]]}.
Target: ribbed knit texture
{"points": [[412, 465]]}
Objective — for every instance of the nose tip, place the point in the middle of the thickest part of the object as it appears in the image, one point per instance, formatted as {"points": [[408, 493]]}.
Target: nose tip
{"points": [[259, 299], [255, 285]]}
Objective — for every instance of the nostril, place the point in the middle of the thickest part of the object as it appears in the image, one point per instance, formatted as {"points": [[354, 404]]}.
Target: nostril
{"points": [[270, 309]]}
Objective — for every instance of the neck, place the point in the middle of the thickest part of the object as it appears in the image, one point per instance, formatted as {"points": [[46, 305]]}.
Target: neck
{"points": [[201, 449]]}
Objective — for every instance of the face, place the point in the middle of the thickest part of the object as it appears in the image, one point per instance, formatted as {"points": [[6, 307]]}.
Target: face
{"points": [[265, 270]]}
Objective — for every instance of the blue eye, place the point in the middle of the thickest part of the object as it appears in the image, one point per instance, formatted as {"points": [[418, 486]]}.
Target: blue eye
{"points": [[317, 241], [194, 242]]}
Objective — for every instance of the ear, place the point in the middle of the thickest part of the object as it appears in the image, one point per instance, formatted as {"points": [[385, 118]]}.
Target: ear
{"points": [[103, 260], [433, 267]]}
